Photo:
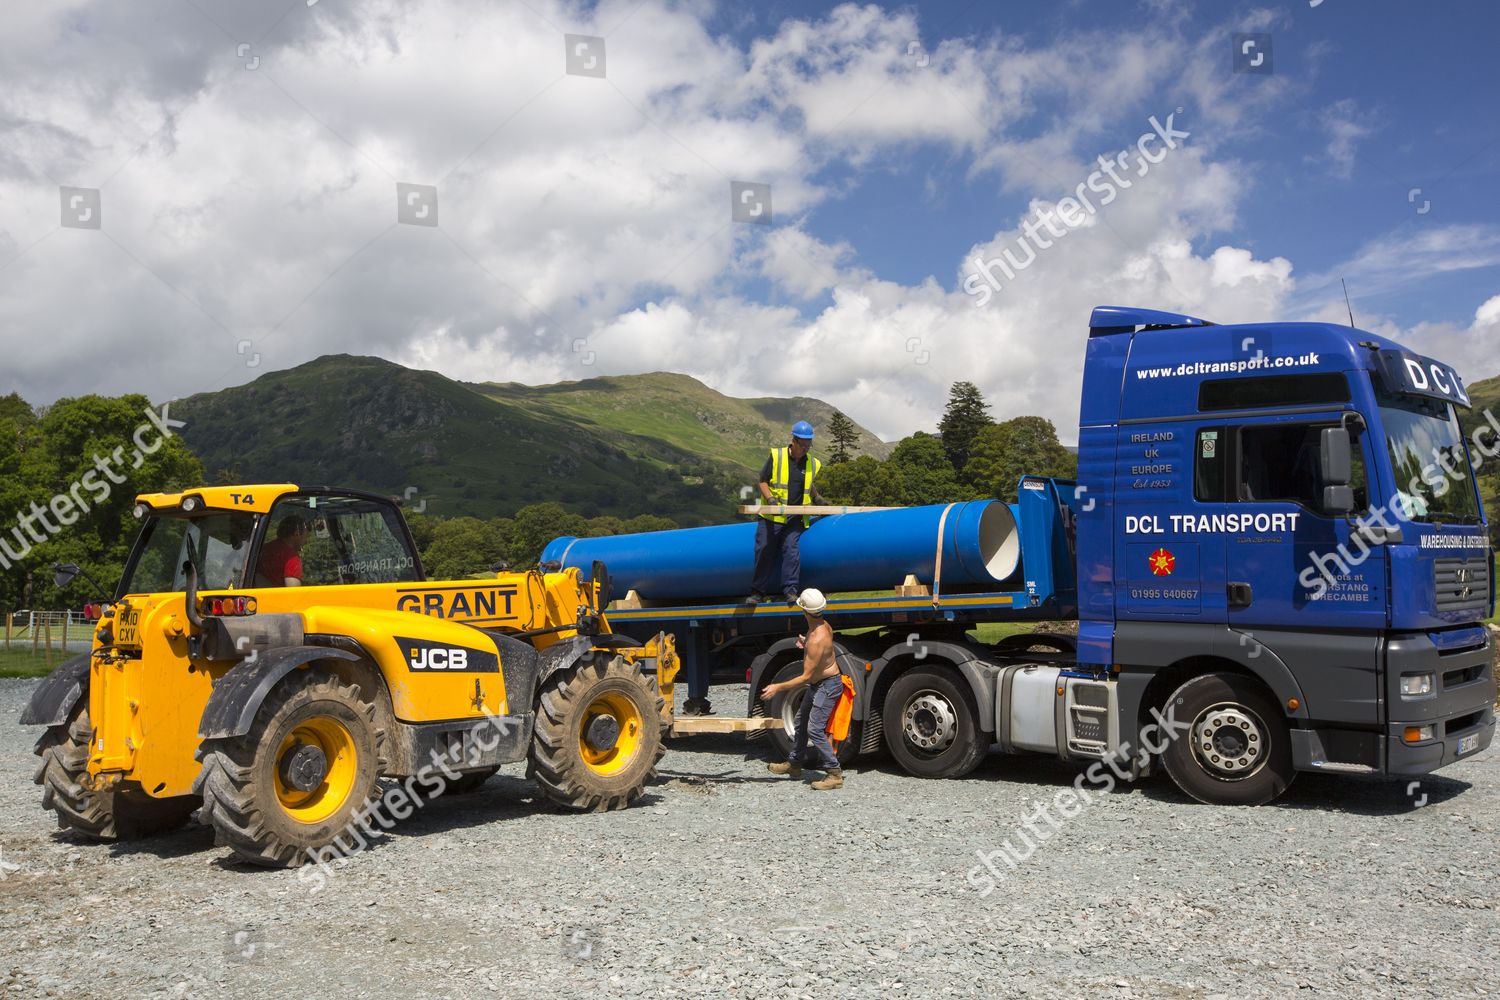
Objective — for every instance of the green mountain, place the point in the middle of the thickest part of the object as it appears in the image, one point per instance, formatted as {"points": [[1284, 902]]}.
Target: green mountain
{"points": [[624, 445], [679, 410], [1484, 396]]}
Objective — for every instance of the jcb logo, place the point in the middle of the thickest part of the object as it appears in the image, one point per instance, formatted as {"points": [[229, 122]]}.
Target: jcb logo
{"points": [[439, 658], [427, 657]]}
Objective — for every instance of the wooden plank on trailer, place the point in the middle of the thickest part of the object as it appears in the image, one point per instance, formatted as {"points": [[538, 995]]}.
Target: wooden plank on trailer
{"points": [[811, 510], [691, 724]]}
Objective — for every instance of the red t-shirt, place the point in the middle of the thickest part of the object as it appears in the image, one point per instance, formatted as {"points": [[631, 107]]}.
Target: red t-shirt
{"points": [[278, 560]]}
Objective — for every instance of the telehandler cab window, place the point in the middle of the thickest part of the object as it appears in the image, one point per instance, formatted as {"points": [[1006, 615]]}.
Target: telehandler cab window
{"points": [[216, 543], [344, 540]]}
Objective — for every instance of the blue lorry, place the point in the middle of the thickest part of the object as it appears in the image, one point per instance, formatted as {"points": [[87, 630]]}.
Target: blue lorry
{"points": [[1275, 553]]}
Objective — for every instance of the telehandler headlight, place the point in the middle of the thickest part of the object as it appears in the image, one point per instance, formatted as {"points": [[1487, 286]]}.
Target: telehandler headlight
{"points": [[1413, 685], [140, 510]]}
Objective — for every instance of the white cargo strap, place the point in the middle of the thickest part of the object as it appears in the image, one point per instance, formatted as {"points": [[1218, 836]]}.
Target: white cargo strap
{"points": [[937, 558]]}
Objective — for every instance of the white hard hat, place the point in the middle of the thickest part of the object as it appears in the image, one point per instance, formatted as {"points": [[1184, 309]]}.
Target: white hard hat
{"points": [[812, 601]]}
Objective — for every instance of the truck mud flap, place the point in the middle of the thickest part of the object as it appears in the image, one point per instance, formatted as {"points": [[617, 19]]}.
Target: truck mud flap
{"points": [[239, 693], [53, 700]]}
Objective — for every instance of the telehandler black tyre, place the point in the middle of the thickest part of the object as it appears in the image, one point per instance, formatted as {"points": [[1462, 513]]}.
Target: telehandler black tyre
{"points": [[123, 813], [597, 736], [301, 779]]}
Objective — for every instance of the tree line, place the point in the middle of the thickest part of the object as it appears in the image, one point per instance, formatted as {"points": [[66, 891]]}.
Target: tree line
{"points": [[972, 457]]}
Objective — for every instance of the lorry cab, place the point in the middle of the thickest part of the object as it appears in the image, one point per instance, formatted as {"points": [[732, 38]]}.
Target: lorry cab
{"points": [[1296, 502]]}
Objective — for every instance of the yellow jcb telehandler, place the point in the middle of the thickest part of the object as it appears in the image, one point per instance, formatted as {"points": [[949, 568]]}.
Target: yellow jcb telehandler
{"points": [[271, 651]]}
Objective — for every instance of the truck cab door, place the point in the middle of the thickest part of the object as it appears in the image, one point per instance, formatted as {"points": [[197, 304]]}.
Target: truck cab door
{"points": [[1296, 582]]}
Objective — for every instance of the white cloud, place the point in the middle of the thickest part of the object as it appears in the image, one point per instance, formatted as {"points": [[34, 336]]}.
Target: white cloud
{"points": [[1344, 125]]}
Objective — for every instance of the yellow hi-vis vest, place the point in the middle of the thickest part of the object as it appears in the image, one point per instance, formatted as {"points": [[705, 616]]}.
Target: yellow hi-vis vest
{"points": [[781, 471]]}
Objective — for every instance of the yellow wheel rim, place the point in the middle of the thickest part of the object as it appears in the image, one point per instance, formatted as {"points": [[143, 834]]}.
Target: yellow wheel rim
{"points": [[632, 728], [337, 744]]}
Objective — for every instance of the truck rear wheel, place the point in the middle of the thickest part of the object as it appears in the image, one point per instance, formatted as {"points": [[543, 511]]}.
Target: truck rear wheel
{"points": [[1238, 751], [597, 736], [931, 725], [123, 813], [786, 704], [298, 780]]}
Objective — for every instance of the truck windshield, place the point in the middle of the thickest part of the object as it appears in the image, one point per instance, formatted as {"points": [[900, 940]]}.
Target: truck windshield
{"points": [[217, 544], [1433, 476]]}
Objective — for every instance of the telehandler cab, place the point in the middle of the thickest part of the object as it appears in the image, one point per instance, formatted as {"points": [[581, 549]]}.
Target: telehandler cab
{"points": [[215, 685]]}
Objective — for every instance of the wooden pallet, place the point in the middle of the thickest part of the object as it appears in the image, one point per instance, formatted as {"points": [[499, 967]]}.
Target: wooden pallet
{"points": [[688, 725]]}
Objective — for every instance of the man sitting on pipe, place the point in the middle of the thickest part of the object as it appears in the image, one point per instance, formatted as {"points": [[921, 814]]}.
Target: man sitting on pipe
{"points": [[786, 478], [824, 687]]}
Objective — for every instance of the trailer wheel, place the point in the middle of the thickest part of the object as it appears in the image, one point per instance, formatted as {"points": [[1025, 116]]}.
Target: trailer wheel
{"points": [[125, 813], [786, 704], [1238, 751], [931, 725], [298, 780], [598, 735]]}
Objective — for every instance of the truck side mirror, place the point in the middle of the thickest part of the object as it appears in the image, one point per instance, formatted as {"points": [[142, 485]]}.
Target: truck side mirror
{"points": [[1336, 459], [63, 574], [1338, 500]]}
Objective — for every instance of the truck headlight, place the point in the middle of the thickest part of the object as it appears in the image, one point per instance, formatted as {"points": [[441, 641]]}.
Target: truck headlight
{"points": [[1416, 734], [1413, 685]]}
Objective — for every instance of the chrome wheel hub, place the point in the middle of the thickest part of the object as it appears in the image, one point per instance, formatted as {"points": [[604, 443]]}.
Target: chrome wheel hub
{"points": [[929, 722], [1229, 741]]}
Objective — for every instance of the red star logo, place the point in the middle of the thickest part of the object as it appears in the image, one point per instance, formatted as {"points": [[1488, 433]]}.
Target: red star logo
{"points": [[1163, 562]]}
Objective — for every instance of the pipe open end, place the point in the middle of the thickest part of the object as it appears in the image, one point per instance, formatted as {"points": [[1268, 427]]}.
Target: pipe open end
{"points": [[999, 541]]}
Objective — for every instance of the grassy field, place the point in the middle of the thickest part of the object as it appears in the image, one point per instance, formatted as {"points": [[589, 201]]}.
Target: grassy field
{"points": [[17, 662]]}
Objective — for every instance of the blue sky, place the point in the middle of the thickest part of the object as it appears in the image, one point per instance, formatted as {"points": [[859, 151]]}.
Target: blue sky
{"points": [[1424, 79], [247, 161]]}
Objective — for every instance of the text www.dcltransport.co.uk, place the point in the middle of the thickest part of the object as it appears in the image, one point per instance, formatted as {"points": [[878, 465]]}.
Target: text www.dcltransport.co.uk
{"points": [[1229, 367]]}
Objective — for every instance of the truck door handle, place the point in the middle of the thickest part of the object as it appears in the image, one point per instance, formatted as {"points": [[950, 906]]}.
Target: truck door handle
{"points": [[1240, 594]]}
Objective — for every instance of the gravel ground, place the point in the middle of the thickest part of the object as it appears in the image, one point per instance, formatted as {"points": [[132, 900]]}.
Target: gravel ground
{"points": [[725, 881]]}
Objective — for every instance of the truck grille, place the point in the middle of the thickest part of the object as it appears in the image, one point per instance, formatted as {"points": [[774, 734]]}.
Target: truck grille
{"points": [[1462, 584]]}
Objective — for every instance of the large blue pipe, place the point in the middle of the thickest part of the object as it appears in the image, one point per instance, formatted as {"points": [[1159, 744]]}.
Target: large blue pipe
{"points": [[870, 551]]}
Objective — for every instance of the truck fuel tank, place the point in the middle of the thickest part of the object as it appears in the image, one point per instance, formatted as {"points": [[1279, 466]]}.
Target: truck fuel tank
{"points": [[1045, 710]]}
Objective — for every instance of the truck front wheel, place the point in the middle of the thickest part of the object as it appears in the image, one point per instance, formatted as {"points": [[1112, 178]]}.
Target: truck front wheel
{"points": [[931, 726], [1238, 751]]}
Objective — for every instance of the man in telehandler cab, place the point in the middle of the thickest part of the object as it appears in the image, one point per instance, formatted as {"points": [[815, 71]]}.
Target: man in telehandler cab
{"points": [[281, 561]]}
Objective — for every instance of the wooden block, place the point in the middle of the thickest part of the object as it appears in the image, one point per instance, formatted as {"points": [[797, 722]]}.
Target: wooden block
{"points": [[629, 602], [911, 588], [687, 725]]}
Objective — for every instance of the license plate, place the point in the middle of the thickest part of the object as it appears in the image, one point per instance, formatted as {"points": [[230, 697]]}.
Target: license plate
{"points": [[125, 628], [1468, 744]]}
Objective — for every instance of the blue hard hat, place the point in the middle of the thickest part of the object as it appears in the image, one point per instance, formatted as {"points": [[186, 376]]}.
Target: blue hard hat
{"points": [[802, 429]]}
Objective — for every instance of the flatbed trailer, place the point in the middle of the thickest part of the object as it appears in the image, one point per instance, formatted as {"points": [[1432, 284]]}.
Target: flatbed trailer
{"points": [[877, 633]]}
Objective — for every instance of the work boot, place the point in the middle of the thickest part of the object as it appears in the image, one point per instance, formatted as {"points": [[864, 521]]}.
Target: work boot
{"points": [[791, 596], [755, 597], [835, 779], [787, 768]]}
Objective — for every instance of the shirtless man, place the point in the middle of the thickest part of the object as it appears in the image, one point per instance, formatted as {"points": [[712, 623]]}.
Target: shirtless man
{"points": [[824, 687]]}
